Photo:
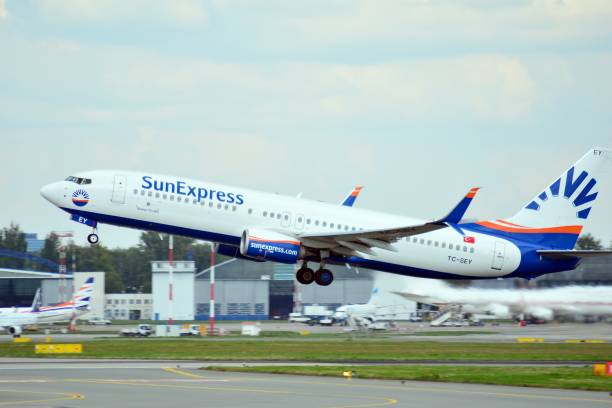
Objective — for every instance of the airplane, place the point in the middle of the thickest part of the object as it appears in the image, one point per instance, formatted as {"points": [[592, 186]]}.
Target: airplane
{"points": [[254, 225], [543, 304], [14, 321], [35, 305], [384, 305]]}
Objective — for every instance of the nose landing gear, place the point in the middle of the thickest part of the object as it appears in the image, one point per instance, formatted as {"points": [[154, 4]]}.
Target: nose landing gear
{"points": [[93, 238]]}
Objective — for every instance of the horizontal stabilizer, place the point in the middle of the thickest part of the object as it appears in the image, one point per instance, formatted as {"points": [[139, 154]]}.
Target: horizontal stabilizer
{"points": [[562, 255]]}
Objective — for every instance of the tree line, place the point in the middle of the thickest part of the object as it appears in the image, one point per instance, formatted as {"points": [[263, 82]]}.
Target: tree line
{"points": [[129, 269], [126, 269]]}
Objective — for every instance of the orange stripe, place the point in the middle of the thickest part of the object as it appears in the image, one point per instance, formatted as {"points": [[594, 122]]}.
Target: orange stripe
{"points": [[570, 229], [509, 223], [275, 242], [472, 192]]}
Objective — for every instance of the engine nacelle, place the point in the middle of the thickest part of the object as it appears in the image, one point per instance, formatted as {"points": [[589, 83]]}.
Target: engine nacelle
{"points": [[270, 246], [15, 330], [234, 252]]}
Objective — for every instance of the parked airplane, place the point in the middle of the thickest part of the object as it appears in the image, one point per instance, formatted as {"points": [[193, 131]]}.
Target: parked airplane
{"points": [[269, 227], [385, 304], [540, 303], [35, 305], [14, 321]]}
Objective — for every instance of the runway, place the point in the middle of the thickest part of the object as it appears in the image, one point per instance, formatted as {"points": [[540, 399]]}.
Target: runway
{"points": [[162, 384]]}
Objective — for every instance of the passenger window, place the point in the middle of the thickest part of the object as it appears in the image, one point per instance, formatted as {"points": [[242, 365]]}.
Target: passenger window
{"points": [[226, 207], [436, 244], [210, 204], [171, 198], [135, 191], [195, 200], [317, 222], [150, 194], [142, 192], [308, 221], [450, 246], [464, 249], [278, 216], [265, 213], [346, 228], [233, 208], [219, 206], [353, 229], [422, 241], [324, 224], [429, 242], [444, 245], [271, 215], [178, 199], [202, 203], [458, 247], [165, 196], [339, 227], [250, 211], [156, 195], [331, 225], [286, 217], [472, 250], [299, 219], [415, 240]]}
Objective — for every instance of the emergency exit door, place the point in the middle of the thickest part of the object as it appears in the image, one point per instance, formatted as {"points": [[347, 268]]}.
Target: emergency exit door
{"points": [[119, 189], [499, 254]]}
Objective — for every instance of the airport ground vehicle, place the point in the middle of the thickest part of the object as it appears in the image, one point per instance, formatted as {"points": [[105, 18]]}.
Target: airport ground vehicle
{"points": [[98, 321], [191, 330], [143, 330]]}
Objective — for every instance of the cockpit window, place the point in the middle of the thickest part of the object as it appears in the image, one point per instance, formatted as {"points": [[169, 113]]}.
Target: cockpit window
{"points": [[79, 180]]}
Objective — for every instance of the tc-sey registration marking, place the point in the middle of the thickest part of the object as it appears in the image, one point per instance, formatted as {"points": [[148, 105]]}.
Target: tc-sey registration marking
{"points": [[459, 260]]}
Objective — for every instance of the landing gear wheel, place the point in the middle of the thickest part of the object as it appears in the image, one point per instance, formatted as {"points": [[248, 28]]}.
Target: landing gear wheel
{"points": [[93, 239], [305, 276], [323, 277]]}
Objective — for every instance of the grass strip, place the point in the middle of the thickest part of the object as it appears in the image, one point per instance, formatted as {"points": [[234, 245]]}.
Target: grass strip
{"points": [[322, 350], [575, 378]]}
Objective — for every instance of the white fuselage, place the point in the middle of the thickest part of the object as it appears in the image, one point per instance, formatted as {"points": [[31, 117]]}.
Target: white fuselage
{"points": [[133, 199]]}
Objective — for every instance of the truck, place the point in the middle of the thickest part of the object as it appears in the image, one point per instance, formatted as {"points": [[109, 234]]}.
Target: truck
{"points": [[143, 330]]}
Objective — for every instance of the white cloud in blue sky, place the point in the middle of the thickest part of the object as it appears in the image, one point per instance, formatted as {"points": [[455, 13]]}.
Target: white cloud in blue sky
{"points": [[416, 99]]}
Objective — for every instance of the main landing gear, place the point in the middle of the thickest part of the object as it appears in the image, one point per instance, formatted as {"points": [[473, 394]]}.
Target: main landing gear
{"points": [[322, 277]]}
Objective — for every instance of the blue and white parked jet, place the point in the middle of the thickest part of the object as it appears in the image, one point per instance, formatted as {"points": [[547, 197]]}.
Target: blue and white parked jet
{"points": [[14, 319], [259, 226]]}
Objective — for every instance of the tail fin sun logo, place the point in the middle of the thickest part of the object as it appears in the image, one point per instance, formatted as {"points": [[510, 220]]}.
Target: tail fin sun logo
{"points": [[80, 198], [567, 186]]}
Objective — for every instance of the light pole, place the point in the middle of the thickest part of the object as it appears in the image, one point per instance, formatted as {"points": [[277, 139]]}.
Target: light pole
{"points": [[170, 277], [211, 312]]}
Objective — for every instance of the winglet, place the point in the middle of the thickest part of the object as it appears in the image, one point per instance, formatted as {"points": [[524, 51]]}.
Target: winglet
{"points": [[459, 211], [352, 197]]}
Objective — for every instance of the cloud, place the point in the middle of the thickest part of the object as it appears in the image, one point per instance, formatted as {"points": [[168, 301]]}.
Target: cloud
{"points": [[2, 9], [118, 11], [437, 22]]}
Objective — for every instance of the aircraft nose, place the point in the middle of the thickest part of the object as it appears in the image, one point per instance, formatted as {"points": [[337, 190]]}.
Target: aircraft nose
{"points": [[49, 192]]}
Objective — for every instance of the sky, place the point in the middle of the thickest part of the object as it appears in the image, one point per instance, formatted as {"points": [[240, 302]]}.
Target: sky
{"points": [[416, 100]]}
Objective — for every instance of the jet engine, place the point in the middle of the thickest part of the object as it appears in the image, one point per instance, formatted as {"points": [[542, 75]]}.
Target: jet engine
{"points": [[15, 330], [273, 246]]}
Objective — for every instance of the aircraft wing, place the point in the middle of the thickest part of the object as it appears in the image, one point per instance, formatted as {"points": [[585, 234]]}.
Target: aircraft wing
{"points": [[362, 241], [562, 255]]}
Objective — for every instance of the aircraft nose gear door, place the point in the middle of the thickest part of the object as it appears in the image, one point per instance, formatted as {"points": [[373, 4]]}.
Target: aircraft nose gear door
{"points": [[119, 189], [499, 253]]}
